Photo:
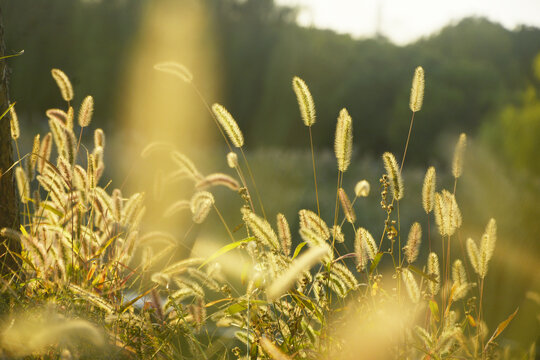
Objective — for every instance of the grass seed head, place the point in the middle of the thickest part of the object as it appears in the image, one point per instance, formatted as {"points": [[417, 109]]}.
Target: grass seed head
{"points": [[66, 89], [459, 152], [347, 206], [86, 111], [428, 189], [361, 189], [14, 124], [261, 229], [413, 243], [201, 203], [417, 90], [22, 184], [411, 285], [232, 160], [284, 233], [228, 124], [305, 101], [175, 69], [392, 170], [433, 270], [343, 140]]}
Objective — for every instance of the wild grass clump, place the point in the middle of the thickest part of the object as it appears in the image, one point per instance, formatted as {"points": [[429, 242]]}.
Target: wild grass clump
{"points": [[295, 297]]}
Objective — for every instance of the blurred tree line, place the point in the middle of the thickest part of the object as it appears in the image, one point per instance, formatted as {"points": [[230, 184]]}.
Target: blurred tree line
{"points": [[474, 69]]}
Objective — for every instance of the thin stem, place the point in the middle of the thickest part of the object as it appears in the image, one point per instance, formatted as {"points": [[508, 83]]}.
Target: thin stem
{"points": [[209, 109], [398, 273], [314, 172], [205, 103], [340, 174], [429, 232], [224, 223], [253, 181], [78, 145], [244, 184], [407, 143], [480, 315]]}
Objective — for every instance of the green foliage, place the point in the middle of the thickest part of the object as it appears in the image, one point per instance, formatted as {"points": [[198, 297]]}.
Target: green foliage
{"points": [[514, 131]]}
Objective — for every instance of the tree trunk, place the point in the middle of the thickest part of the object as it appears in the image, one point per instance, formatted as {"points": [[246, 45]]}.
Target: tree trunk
{"points": [[9, 202]]}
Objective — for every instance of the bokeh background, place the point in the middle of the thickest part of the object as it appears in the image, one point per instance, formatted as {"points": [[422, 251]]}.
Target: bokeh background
{"points": [[482, 69]]}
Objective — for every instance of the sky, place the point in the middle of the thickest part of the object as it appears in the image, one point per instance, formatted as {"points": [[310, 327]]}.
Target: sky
{"points": [[404, 21]]}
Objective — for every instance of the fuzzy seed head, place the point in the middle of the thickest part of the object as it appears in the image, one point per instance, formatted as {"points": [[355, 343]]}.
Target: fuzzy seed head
{"points": [[86, 111], [411, 285], [361, 189], [69, 119], [392, 170], [218, 179], [368, 243], [474, 256], [261, 229], [417, 90], [413, 242], [272, 350], [489, 238], [284, 233], [14, 124], [487, 247], [305, 101], [176, 207], [232, 160], [310, 220], [459, 280], [434, 271], [44, 152], [459, 151], [439, 211], [428, 190], [228, 124], [63, 84], [451, 213], [347, 206], [201, 203], [186, 164], [35, 152], [295, 270], [22, 184], [91, 171], [343, 140], [99, 138], [360, 251], [57, 114], [175, 69], [458, 273]]}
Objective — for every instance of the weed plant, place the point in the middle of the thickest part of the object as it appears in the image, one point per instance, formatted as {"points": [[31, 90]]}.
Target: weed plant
{"points": [[81, 293]]}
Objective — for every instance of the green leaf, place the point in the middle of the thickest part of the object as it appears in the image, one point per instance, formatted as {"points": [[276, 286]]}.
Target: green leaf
{"points": [[51, 209], [23, 231], [9, 108], [236, 308], [375, 262], [434, 307], [298, 248], [106, 245], [226, 249], [13, 55], [421, 273], [501, 327]]}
